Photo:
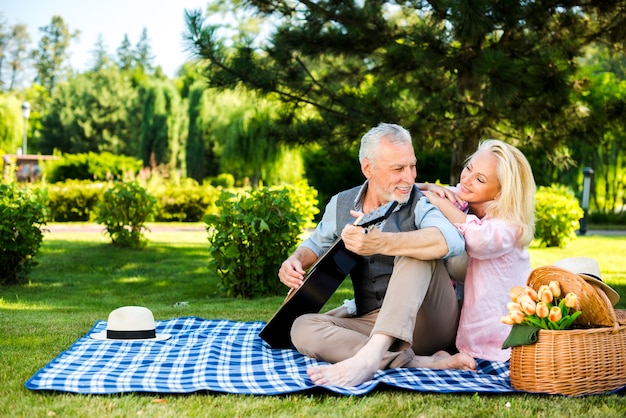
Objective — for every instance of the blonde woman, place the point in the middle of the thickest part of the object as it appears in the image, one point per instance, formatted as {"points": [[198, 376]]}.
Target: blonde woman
{"points": [[493, 207]]}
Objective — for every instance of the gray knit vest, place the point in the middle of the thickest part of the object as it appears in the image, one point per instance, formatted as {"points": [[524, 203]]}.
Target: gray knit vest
{"points": [[370, 277]]}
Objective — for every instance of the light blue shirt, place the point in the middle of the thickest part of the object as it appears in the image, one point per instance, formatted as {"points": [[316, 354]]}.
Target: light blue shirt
{"points": [[426, 215]]}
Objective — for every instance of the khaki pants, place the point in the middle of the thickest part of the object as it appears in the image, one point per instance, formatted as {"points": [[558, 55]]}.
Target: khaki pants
{"points": [[420, 311]]}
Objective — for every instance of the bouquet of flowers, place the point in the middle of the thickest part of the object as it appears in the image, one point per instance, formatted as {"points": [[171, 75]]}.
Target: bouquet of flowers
{"points": [[544, 308]]}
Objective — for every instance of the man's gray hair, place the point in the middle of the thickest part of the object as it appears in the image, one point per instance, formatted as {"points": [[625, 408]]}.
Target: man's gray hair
{"points": [[395, 134]]}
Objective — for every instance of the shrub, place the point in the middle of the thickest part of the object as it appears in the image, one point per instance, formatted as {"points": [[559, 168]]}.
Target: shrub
{"points": [[22, 213], [250, 238], [225, 180], [558, 214], [304, 202], [188, 202], [124, 209], [73, 200], [102, 167]]}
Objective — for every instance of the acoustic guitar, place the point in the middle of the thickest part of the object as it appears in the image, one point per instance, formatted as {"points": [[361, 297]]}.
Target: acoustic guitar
{"points": [[320, 282]]}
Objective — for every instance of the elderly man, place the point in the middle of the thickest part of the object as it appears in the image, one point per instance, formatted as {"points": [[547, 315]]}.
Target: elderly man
{"points": [[406, 307]]}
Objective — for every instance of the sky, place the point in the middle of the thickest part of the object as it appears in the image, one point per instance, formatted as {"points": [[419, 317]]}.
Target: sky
{"points": [[163, 19]]}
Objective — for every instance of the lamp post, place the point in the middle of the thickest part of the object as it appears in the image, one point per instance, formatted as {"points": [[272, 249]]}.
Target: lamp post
{"points": [[25, 115], [587, 181]]}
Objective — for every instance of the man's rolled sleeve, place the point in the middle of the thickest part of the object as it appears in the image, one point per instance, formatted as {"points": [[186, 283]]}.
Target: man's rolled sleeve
{"points": [[326, 231], [428, 215]]}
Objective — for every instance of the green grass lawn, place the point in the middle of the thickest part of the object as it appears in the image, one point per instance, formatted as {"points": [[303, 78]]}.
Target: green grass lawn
{"points": [[82, 277]]}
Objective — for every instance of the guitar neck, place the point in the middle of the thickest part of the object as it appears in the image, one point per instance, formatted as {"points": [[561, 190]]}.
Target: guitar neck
{"points": [[376, 215]]}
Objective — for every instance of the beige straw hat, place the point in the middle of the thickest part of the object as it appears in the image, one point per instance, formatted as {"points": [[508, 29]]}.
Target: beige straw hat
{"points": [[589, 270], [130, 323]]}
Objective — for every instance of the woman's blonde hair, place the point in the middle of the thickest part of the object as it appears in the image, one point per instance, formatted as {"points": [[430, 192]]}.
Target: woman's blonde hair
{"points": [[516, 202]]}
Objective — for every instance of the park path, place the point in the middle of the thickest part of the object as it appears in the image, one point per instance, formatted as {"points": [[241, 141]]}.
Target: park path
{"points": [[92, 228]]}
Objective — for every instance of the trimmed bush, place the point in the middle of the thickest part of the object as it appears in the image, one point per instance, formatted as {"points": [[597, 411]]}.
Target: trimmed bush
{"points": [[557, 214], [124, 210], [224, 180], [250, 238], [188, 202], [22, 214], [73, 200], [91, 166]]}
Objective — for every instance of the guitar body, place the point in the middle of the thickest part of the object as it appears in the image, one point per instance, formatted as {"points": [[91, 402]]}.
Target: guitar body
{"points": [[320, 282], [328, 275]]}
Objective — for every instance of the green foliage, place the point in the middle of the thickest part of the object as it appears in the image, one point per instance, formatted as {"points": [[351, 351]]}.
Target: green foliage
{"points": [[11, 124], [188, 202], [450, 72], [124, 210], [160, 125], [73, 200], [91, 166], [201, 160], [331, 170], [22, 213], [224, 180], [250, 237], [557, 214], [304, 202], [604, 218], [52, 52], [92, 112]]}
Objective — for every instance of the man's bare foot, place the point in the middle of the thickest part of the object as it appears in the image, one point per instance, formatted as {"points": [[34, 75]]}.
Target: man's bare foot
{"points": [[346, 373], [443, 360], [356, 369]]}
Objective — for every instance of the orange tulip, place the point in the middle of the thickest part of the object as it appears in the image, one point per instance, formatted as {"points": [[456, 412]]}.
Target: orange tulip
{"points": [[544, 294], [531, 292], [542, 309], [507, 320], [515, 292], [529, 307], [555, 288], [570, 300], [513, 306], [517, 316], [555, 314], [524, 299]]}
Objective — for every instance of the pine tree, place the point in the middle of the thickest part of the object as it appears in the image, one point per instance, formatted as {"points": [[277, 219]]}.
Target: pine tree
{"points": [[452, 72]]}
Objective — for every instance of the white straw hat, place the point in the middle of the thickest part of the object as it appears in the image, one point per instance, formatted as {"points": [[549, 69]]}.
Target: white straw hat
{"points": [[130, 323], [588, 269]]}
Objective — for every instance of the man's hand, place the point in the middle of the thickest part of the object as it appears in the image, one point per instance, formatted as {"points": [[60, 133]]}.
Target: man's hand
{"points": [[363, 241], [291, 273]]}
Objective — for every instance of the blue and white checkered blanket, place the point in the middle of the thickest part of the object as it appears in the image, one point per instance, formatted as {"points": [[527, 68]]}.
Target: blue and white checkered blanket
{"points": [[228, 357]]}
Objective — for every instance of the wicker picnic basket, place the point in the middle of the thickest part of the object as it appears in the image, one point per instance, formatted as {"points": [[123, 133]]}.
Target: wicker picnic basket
{"points": [[574, 362]]}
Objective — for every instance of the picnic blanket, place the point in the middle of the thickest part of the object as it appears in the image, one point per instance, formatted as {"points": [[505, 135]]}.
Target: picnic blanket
{"points": [[228, 357]]}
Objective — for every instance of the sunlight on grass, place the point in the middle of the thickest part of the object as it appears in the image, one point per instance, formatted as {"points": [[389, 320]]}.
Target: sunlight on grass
{"points": [[130, 280], [39, 285], [22, 306]]}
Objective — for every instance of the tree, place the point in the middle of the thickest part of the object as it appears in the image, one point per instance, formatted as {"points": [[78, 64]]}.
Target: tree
{"points": [[11, 124], [144, 58], [600, 127], [17, 54], [199, 147], [125, 55], [4, 40], [452, 72], [90, 113], [52, 52], [100, 55], [160, 129]]}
